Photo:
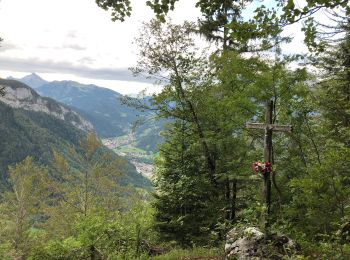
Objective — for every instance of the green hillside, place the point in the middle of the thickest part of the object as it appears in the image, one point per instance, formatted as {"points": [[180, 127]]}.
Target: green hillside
{"points": [[100, 106], [25, 132], [104, 109]]}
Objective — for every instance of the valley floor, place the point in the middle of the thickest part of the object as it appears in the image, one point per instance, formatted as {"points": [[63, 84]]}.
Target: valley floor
{"points": [[126, 146]]}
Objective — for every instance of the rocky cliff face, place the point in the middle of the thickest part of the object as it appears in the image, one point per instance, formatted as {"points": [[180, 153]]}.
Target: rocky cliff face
{"points": [[19, 95]]}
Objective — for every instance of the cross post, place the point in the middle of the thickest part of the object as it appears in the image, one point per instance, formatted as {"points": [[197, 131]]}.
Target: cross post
{"points": [[269, 128]]}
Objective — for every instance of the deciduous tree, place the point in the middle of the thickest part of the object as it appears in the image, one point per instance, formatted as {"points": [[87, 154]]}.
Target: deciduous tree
{"points": [[22, 207]]}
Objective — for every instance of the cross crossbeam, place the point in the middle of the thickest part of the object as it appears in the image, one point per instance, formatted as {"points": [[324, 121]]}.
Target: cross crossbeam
{"points": [[273, 127]]}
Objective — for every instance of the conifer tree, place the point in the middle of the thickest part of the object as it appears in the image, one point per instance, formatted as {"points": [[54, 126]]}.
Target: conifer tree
{"points": [[335, 86]]}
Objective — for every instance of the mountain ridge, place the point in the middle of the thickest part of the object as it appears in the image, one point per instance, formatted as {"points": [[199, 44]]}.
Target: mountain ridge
{"points": [[105, 110], [101, 106], [19, 95], [25, 132], [33, 80]]}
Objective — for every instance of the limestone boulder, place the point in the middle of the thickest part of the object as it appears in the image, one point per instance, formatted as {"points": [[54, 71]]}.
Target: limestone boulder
{"points": [[250, 243]]}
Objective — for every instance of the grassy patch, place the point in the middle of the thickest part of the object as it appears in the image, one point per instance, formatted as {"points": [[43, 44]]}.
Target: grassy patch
{"points": [[130, 149], [191, 254]]}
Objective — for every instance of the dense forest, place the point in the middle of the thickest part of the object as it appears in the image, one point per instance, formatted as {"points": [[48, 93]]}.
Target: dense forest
{"points": [[203, 182]]}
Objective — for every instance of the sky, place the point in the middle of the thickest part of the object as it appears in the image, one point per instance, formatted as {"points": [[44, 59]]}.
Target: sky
{"points": [[76, 40]]}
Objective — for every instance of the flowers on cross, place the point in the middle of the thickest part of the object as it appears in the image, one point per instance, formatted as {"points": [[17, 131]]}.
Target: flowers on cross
{"points": [[262, 167]]}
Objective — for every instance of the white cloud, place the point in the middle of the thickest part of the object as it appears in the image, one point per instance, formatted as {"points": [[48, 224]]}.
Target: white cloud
{"points": [[76, 40], [45, 36]]}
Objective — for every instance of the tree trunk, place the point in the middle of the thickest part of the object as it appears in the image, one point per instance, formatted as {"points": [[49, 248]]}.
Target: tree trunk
{"points": [[233, 200], [210, 161]]}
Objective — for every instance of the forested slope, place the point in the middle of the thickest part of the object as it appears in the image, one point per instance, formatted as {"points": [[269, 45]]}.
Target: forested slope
{"points": [[104, 109], [24, 132]]}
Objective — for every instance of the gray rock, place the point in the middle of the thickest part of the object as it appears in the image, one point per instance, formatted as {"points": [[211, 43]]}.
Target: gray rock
{"points": [[250, 244]]}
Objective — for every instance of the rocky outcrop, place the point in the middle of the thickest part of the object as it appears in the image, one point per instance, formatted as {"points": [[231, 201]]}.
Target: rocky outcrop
{"points": [[19, 95], [250, 244]]}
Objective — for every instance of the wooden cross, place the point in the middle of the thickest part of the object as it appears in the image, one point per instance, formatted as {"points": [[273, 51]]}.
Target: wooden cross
{"points": [[269, 128]]}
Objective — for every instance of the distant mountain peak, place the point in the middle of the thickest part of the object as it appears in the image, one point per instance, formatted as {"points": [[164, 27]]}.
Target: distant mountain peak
{"points": [[33, 80], [32, 76]]}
